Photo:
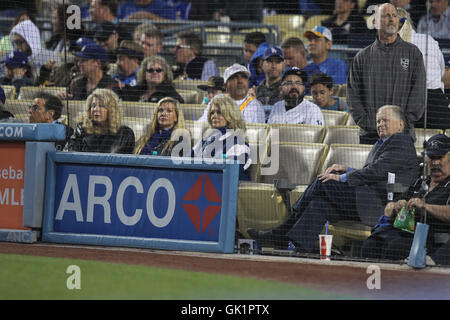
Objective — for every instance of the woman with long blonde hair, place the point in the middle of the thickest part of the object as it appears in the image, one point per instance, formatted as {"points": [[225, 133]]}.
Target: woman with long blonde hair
{"points": [[164, 131], [226, 133], [100, 128]]}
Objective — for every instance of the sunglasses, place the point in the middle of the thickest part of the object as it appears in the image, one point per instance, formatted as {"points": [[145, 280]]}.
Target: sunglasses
{"points": [[151, 70]]}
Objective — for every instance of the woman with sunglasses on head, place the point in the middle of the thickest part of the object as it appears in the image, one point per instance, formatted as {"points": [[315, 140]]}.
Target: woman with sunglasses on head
{"points": [[226, 134], [100, 129], [165, 131], [155, 81]]}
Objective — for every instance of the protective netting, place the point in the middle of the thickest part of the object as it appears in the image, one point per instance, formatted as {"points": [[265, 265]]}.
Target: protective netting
{"points": [[299, 84]]}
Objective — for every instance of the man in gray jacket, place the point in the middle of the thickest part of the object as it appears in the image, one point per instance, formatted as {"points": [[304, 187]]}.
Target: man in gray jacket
{"points": [[389, 71]]}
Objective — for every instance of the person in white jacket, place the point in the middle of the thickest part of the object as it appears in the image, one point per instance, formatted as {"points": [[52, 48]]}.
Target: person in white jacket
{"points": [[236, 85], [438, 110], [25, 37]]}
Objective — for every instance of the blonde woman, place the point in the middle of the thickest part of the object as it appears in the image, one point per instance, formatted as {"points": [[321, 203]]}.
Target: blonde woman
{"points": [[100, 129], [227, 134], [155, 81], [163, 133]]}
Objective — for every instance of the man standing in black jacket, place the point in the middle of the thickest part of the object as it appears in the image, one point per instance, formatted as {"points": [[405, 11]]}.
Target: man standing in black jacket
{"points": [[389, 71], [343, 193]]}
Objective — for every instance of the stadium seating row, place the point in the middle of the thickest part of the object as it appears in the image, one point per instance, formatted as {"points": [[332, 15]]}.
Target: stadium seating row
{"points": [[340, 128]]}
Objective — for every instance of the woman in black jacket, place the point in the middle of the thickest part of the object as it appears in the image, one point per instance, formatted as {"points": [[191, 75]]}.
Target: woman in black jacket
{"points": [[100, 129], [155, 81]]}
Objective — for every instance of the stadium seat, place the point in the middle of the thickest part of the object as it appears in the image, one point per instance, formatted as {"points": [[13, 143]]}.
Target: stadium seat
{"points": [[18, 106], [138, 125], [189, 96], [334, 118], [10, 92], [298, 132], [196, 128], [350, 233], [192, 111], [420, 138], [350, 121], [191, 85], [221, 70], [260, 206], [137, 109], [257, 132], [29, 92], [298, 162], [341, 90], [22, 117], [343, 105], [257, 138], [287, 23], [342, 134], [351, 155]]}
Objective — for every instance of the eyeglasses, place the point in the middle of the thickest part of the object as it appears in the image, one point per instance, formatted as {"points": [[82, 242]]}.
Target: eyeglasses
{"points": [[181, 46], [151, 70], [291, 83], [34, 107]]}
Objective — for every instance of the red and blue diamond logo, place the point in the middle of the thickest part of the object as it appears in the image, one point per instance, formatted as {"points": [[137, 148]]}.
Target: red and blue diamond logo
{"points": [[193, 198]]}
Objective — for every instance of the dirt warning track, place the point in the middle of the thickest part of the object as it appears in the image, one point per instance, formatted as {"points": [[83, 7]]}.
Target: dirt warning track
{"points": [[397, 282]]}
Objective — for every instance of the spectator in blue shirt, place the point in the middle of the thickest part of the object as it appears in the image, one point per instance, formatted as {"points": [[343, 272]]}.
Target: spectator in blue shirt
{"points": [[146, 9], [295, 56], [320, 42]]}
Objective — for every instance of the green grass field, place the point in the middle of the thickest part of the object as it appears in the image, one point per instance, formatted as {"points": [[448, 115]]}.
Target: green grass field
{"points": [[30, 277]]}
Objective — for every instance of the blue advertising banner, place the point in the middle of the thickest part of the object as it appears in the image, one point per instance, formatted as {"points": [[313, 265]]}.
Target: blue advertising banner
{"points": [[140, 201], [32, 131]]}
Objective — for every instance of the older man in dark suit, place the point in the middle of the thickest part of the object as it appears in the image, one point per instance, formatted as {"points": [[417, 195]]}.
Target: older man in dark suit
{"points": [[343, 193]]}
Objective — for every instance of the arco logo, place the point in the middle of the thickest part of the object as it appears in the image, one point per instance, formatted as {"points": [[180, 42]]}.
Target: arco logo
{"points": [[205, 186]]}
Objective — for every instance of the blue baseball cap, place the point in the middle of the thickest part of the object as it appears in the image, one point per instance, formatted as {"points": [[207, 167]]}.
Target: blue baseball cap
{"points": [[81, 42], [92, 51], [2, 95], [273, 52], [295, 71], [16, 59], [438, 145]]}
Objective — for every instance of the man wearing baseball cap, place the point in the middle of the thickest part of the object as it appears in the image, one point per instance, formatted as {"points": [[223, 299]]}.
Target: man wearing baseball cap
{"points": [[293, 108], [107, 36], [320, 41], [214, 87], [273, 64], [17, 71], [387, 242], [129, 57], [91, 60], [236, 86]]}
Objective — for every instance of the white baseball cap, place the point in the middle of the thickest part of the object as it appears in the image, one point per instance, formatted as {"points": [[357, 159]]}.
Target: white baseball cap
{"points": [[321, 32], [235, 68]]}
